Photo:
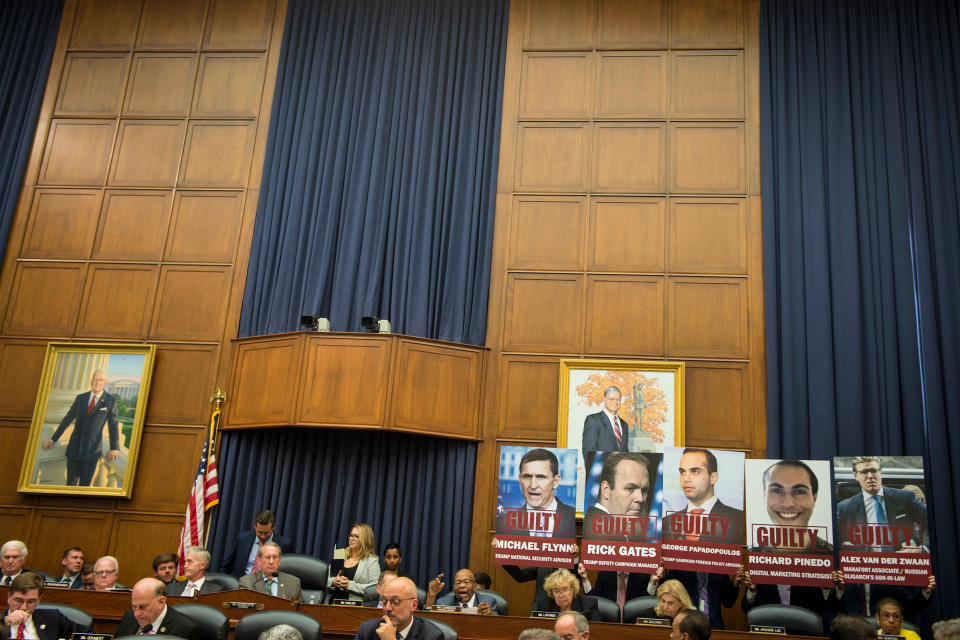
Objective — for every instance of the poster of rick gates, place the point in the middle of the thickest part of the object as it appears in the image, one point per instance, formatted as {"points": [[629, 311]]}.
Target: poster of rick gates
{"points": [[536, 516], [882, 519], [88, 419]]}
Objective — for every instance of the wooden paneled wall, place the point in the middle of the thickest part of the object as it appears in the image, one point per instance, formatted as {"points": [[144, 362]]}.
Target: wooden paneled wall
{"points": [[628, 218], [134, 225]]}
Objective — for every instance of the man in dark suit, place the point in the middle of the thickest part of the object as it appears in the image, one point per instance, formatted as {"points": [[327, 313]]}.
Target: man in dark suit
{"points": [[718, 522], [88, 413], [876, 504], [269, 579], [149, 613], [26, 621], [399, 602], [463, 594], [195, 563], [241, 559], [13, 556], [72, 561], [605, 430], [165, 566]]}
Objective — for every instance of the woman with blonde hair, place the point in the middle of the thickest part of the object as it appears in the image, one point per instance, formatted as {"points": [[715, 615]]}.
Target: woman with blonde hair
{"points": [[359, 569], [672, 597], [563, 591]]}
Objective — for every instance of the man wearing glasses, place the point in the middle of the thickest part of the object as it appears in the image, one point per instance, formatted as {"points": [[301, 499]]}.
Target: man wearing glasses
{"points": [[877, 504], [270, 579], [106, 572], [464, 594], [23, 618], [399, 601]]}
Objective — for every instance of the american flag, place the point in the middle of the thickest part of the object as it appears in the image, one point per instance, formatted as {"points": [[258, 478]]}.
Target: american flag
{"points": [[203, 494]]}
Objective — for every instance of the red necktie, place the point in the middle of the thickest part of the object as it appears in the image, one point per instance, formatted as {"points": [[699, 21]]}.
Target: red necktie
{"points": [[20, 631], [93, 403], [616, 432], [694, 535], [256, 561], [622, 577]]}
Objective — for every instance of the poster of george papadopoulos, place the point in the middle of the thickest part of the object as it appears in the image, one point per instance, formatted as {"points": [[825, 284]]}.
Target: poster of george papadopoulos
{"points": [[789, 522], [882, 519], [536, 516], [623, 494], [702, 509]]}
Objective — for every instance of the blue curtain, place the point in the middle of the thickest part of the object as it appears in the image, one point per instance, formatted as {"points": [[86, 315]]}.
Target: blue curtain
{"points": [[28, 33], [379, 181], [414, 490], [861, 198]]}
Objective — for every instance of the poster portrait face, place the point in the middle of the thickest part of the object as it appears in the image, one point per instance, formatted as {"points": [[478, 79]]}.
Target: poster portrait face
{"points": [[626, 483], [536, 476], [689, 477], [792, 495]]}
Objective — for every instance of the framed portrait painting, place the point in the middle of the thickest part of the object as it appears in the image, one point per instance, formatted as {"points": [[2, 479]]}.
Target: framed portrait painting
{"points": [[88, 419], [618, 405]]}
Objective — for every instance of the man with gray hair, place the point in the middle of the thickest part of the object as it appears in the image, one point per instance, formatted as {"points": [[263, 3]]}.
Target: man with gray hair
{"points": [[281, 632], [195, 563], [572, 625], [605, 430], [106, 572], [13, 555], [538, 634]]}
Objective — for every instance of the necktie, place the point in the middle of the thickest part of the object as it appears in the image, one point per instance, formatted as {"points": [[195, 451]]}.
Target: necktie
{"points": [[147, 629], [784, 590], [256, 560], [696, 513], [702, 593], [270, 586], [7, 580], [616, 432], [622, 577], [20, 630], [93, 403], [190, 590], [881, 514]]}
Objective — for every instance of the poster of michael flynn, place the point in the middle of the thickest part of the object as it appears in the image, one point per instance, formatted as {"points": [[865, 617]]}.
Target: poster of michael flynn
{"points": [[88, 419]]}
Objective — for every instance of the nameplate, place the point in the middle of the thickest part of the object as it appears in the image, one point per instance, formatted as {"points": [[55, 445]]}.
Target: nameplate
{"points": [[890, 636], [243, 605], [56, 584], [92, 636], [543, 614], [347, 602], [768, 628], [654, 622], [446, 607]]}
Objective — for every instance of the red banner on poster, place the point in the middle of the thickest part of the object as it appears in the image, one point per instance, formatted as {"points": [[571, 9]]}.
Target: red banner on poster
{"points": [[799, 569], [620, 556], [534, 551], [706, 557], [885, 568]]}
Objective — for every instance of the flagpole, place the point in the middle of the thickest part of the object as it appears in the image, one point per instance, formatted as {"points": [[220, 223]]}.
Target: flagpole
{"points": [[217, 398]]}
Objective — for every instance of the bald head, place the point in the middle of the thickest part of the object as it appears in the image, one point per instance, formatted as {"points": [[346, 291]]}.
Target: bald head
{"points": [[148, 600], [399, 599]]}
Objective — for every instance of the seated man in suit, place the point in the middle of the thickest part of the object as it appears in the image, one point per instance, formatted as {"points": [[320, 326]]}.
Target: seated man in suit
{"points": [[165, 567], [23, 618], [106, 572], [149, 613], [195, 563], [690, 624], [385, 577], [269, 579], [399, 601], [464, 594], [72, 561], [13, 555], [242, 558]]}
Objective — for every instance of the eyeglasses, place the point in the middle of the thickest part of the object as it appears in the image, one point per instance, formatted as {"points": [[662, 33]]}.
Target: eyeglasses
{"points": [[563, 590], [467, 581], [394, 602], [105, 573]]}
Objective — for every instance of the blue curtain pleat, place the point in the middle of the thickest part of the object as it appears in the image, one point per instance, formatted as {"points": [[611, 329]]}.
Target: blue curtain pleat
{"points": [[28, 34], [861, 206], [379, 180], [414, 490]]}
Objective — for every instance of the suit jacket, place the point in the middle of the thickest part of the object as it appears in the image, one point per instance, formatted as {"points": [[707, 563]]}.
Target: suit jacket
{"points": [[721, 592], [367, 574], [901, 507], [174, 624], [177, 587], [584, 604], [606, 585], [420, 630], [734, 530], [451, 599], [51, 624], [598, 434], [86, 441], [235, 562], [288, 587]]}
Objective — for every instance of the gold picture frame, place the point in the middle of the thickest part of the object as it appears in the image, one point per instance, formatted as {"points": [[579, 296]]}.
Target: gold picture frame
{"points": [[98, 458], [582, 386]]}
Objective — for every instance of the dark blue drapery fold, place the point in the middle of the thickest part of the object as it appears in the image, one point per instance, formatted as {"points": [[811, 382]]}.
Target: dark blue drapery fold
{"points": [[861, 199], [379, 181], [414, 490], [28, 33]]}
